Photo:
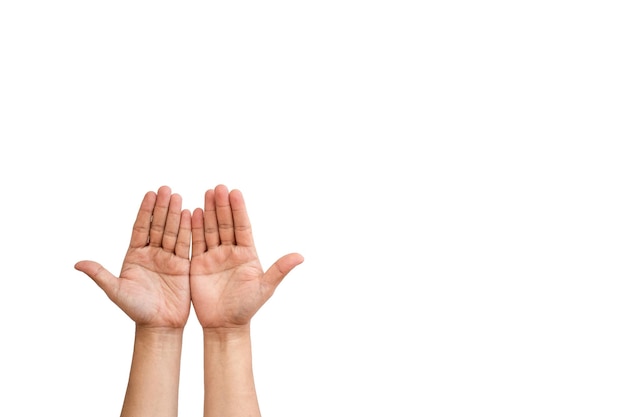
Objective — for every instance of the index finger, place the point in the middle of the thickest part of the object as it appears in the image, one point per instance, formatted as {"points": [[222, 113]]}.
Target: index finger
{"points": [[141, 228]]}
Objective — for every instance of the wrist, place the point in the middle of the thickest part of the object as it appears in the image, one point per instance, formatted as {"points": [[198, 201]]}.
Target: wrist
{"points": [[159, 338], [159, 330], [226, 334]]}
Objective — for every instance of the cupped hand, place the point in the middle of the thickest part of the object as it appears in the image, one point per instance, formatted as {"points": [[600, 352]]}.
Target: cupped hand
{"points": [[228, 284], [153, 286]]}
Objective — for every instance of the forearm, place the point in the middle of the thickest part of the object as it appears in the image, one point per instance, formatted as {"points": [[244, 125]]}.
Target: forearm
{"points": [[154, 374], [229, 389]]}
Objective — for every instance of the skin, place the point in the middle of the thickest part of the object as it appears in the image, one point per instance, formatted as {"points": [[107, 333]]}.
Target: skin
{"points": [[159, 281], [153, 290], [228, 286]]}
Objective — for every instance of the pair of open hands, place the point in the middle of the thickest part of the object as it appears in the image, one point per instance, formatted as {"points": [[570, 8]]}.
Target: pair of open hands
{"points": [[222, 276]]}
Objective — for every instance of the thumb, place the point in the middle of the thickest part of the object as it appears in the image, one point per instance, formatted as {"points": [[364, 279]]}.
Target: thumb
{"points": [[279, 270], [102, 277]]}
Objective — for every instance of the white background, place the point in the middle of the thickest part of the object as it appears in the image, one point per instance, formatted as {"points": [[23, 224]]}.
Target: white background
{"points": [[453, 173]]}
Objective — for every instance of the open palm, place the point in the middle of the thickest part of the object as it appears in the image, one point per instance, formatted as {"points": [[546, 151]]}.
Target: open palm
{"points": [[153, 286], [228, 284]]}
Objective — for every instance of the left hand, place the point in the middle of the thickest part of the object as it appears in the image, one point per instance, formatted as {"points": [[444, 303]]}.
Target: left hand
{"points": [[153, 286]]}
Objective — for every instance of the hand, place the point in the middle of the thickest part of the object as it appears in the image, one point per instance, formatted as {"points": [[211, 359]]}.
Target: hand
{"points": [[228, 285], [153, 286]]}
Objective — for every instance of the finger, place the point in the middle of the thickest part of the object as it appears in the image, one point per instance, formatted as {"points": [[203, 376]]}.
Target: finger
{"points": [[105, 280], [243, 230], [184, 235], [224, 216], [141, 228], [198, 242], [211, 232], [159, 216], [172, 223], [275, 274]]}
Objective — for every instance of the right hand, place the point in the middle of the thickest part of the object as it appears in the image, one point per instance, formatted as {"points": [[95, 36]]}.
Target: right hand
{"points": [[228, 284]]}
